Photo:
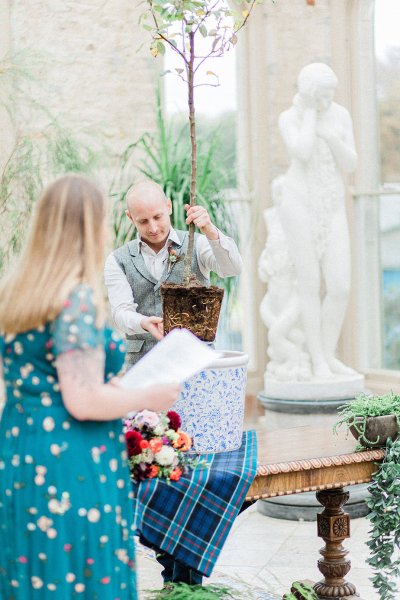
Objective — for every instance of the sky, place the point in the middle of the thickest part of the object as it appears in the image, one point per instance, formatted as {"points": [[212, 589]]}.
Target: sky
{"points": [[215, 100]]}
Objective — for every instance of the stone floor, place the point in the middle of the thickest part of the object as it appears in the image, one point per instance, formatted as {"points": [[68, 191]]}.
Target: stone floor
{"points": [[264, 555]]}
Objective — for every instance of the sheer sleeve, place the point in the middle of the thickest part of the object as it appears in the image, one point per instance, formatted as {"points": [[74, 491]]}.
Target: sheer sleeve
{"points": [[75, 327]]}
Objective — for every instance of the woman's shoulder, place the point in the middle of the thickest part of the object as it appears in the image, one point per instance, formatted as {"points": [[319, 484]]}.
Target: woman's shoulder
{"points": [[79, 304]]}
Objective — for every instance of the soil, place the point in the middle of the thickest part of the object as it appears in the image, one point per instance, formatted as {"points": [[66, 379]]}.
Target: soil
{"points": [[193, 307]]}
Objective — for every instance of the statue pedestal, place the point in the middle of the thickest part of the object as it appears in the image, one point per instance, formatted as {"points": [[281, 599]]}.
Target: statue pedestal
{"points": [[300, 403], [340, 387]]}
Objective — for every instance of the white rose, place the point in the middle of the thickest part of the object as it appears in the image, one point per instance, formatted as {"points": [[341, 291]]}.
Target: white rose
{"points": [[166, 456]]}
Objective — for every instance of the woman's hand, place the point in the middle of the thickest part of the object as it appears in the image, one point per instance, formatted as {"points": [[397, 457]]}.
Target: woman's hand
{"points": [[161, 396]]}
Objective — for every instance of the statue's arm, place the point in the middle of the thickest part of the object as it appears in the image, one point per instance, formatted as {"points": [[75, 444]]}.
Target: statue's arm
{"points": [[299, 140], [342, 148]]}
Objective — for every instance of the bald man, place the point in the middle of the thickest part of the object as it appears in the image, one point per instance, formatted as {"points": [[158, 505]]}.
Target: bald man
{"points": [[134, 272]]}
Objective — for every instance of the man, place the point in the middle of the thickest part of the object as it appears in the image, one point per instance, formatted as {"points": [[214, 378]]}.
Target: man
{"points": [[134, 272]]}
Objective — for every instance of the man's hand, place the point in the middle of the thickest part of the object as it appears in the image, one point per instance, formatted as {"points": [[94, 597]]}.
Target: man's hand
{"points": [[200, 217], [153, 325]]}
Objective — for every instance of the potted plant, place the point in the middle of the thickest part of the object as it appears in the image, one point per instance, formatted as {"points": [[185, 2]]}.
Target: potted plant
{"points": [[179, 24], [374, 421], [371, 419]]}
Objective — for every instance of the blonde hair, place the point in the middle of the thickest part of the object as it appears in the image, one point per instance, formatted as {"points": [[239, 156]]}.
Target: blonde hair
{"points": [[65, 247]]}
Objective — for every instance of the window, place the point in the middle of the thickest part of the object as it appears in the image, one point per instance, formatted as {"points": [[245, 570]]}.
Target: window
{"points": [[387, 56]]}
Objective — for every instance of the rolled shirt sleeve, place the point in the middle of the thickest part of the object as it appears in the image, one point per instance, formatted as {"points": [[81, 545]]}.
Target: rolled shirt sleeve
{"points": [[221, 256], [120, 295]]}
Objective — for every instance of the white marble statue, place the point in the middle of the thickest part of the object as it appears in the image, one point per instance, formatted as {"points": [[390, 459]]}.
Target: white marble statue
{"points": [[280, 307], [318, 136]]}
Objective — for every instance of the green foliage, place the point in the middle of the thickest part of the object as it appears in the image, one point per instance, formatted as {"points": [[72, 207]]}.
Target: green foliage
{"points": [[164, 157], [183, 591], [384, 542], [34, 160], [307, 592], [355, 412], [384, 502], [37, 155], [179, 24], [217, 23]]}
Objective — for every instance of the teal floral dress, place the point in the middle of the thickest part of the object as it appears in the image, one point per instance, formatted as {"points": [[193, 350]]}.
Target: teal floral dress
{"points": [[66, 512]]}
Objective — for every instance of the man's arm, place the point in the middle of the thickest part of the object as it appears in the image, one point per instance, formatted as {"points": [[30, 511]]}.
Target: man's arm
{"points": [[123, 305], [215, 251]]}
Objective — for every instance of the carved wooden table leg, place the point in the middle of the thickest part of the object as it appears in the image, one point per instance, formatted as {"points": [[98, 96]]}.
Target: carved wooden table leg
{"points": [[334, 527]]}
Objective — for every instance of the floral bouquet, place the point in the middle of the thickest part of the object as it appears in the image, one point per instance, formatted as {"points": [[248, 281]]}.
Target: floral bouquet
{"points": [[157, 447]]}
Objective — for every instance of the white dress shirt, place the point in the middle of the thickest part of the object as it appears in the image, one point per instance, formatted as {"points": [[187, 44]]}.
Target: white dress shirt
{"points": [[221, 256]]}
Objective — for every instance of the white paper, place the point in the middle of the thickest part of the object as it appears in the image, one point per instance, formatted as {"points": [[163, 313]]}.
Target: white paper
{"points": [[176, 358]]}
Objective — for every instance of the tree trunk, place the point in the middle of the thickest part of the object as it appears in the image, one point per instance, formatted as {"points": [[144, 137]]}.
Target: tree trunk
{"points": [[192, 124]]}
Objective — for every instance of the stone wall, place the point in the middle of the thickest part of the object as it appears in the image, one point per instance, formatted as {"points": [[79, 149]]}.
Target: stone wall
{"points": [[92, 65]]}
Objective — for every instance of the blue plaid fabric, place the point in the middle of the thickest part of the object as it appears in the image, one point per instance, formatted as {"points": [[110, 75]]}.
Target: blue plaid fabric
{"points": [[191, 518]]}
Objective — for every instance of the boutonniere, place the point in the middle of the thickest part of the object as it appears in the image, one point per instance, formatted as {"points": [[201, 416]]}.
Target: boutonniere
{"points": [[173, 258]]}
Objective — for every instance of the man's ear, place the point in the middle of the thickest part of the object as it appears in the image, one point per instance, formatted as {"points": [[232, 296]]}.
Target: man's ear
{"points": [[169, 204], [128, 214]]}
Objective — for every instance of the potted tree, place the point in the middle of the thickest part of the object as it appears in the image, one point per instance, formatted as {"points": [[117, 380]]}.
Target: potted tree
{"points": [[212, 403], [374, 421], [178, 24]]}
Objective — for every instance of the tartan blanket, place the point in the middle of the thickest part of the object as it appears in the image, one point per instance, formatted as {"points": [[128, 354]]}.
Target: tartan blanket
{"points": [[191, 518]]}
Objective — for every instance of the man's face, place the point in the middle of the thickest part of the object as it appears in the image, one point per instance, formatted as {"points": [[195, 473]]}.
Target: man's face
{"points": [[151, 217]]}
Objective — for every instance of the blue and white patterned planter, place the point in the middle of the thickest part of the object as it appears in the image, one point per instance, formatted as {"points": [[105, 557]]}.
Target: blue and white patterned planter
{"points": [[211, 404]]}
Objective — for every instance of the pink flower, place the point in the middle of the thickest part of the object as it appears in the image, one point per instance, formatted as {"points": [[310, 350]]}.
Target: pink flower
{"points": [[147, 417], [105, 580], [22, 559], [67, 547]]}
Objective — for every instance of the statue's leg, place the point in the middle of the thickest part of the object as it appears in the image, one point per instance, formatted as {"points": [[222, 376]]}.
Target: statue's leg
{"points": [[336, 272], [296, 224]]}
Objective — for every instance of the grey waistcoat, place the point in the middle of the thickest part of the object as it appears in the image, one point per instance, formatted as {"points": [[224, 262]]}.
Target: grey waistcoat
{"points": [[146, 289]]}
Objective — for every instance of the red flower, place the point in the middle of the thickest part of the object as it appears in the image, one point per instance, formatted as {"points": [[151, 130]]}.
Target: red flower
{"points": [[174, 420], [133, 439]]}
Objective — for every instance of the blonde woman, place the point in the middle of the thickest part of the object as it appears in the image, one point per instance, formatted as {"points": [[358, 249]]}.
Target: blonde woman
{"points": [[65, 507]]}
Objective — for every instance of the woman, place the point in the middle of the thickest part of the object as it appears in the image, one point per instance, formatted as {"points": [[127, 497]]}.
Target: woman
{"points": [[65, 508]]}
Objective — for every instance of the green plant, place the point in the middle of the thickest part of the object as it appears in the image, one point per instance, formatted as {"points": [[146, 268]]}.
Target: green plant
{"points": [[179, 24], [354, 414], [164, 157], [183, 591], [301, 591], [384, 542], [384, 502], [36, 155]]}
